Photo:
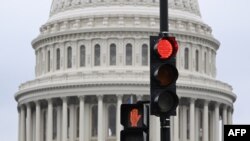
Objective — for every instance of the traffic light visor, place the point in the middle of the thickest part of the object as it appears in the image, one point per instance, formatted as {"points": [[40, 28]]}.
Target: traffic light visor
{"points": [[164, 49], [166, 74]]}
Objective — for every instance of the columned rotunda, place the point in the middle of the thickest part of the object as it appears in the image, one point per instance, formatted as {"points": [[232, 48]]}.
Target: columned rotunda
{"points": [[93, 55]]}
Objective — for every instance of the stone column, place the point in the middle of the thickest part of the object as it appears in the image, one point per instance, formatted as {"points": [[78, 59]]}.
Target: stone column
{"points": [[81, 119], [118, 117], [100, 118], [23, 122], [28, 123], [205, 121], [224, 121], [19, 124], [184, 123], [154, 134], [71, 122], [139, 97], [50, 121], [64, 119], [59, 123], [158, 129], [176, 125], [216, 122], [191, 118], [171, 120], [38, 121]]}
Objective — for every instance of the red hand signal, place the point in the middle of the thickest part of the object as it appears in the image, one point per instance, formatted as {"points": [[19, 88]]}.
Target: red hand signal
{"points": [[134, 117]]}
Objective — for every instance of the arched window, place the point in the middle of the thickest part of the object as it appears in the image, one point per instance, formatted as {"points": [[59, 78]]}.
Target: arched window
{"points": [[129, 54], [112, 55], [48, 63], [41, 61], [69, 55], [205, 62], [197, 60], [112, 120], [94, 121], [144, 52], [58, 59], [186, 58], [82, 55], [97, 55]]}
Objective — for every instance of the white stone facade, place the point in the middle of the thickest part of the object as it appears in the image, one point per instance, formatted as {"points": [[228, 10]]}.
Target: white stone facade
{"points": [[93, 55]]}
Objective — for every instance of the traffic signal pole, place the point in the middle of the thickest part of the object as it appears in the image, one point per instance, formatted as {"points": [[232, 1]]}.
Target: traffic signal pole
{"points": [[164, 29], [164, 16], [165, 129]]}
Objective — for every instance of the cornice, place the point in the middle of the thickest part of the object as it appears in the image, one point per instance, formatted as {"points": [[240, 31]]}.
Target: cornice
{"points": [[210, 91], [119, 88], [194, 84], [105, 75], [92, 89], [205, 94]]}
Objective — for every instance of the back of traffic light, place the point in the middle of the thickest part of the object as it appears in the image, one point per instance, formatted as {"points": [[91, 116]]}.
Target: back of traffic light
{"points": [[163, 76], [135, 120]]}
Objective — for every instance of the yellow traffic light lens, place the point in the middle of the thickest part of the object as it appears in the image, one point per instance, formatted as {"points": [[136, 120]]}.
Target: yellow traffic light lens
{"points": [[166, 74]]}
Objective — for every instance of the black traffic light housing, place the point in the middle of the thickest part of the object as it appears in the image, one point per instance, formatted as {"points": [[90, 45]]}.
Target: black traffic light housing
{"points": [[133, 135], [163, 75], [135, 120]]}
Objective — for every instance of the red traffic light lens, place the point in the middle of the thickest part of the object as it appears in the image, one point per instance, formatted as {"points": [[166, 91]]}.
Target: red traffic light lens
{"points": [[166, 74], [164, 49]]}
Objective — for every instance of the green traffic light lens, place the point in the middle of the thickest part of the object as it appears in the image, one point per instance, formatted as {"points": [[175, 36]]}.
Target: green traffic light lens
{"points": [[166, 101], [166, 74]]}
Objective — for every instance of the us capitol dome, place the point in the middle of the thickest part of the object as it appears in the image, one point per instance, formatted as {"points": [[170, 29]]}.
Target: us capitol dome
{"points": [[93, 55]]}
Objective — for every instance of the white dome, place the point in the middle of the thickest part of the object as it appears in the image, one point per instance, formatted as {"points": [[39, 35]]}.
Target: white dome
{"points": [[187, 9], [95, 53]]}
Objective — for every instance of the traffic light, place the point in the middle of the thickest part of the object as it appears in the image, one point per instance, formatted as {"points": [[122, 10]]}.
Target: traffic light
{"points": [[163, 75], [134, 118]]}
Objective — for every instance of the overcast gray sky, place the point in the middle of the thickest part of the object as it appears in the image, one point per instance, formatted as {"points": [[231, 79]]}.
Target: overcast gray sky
{"points": [[20, 22]]}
